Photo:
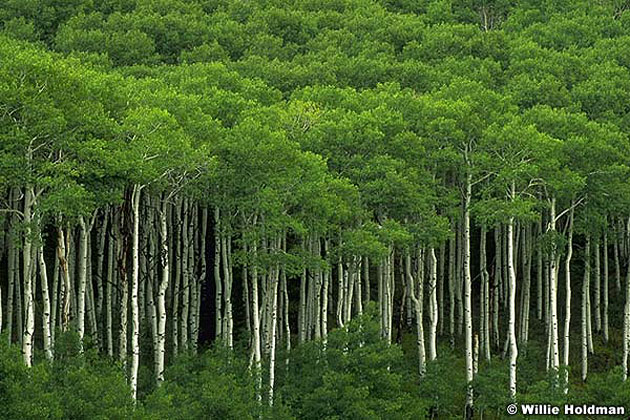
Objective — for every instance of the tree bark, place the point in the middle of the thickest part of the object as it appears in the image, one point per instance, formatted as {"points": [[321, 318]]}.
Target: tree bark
{"points": [[433, 309], [585, 282], [135, 313], [567, 320], [512, 300], [468, 293], [27, 270]]}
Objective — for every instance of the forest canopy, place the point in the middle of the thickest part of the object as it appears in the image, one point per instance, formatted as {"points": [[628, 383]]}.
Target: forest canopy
{"points": [[341, 209]]}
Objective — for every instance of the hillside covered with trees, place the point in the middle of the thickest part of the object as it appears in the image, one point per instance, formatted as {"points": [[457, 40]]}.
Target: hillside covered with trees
{"points": [[314, 209]]}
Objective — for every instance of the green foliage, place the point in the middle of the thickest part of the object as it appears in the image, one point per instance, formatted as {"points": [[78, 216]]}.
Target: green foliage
{"points": [[354, 375], [77, 386], [214, 384]]}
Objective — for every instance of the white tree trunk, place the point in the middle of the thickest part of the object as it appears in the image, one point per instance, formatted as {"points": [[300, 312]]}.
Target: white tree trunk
{"points": [[587, 256], [553, 299], [218, 282], [567, 320], [100, 260], [416, 293], [27, 270], [185, 270], [433, 309], [135, 313], [256, 322], [161, 296], [326, 281], [495, 288], [274, 322], [108, 295], [468, 293], [485, 295], [512, 303], [83, 248]]}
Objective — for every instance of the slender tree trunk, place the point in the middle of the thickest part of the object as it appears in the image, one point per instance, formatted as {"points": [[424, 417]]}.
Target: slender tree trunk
{"points": [[135, 313], [512, 300], [121, 240], [27, 270], [256, 321], [585, 349], [302, 307], [218, 282], [48, 349], [83, 249], [468, 296], [340, 293], [226, 248], [433, 309], [248, 318], [185, 276], [416, 286], [553, 304], [495, 287], [617, 265], [100, 259], [567, 320], [108, 295], [161, 296], [485, 295], [274, 321]]}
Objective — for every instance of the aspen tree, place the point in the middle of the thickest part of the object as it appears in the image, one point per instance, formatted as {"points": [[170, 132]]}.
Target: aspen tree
{"points": [[274, 317], [135, 269], [451, 288], [433, 309], [553, 283], [83, 256], [567, 319], [585, 291], [256, 345], [163, 286], [218, 282], [512, 298], [185, 278], [27, 276], [484, 295], [108, 292], [495, 287], [46, 310], [417, 296]]}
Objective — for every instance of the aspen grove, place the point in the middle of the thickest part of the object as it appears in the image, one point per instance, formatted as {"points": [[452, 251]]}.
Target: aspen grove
{"points": [[348, 209]]}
